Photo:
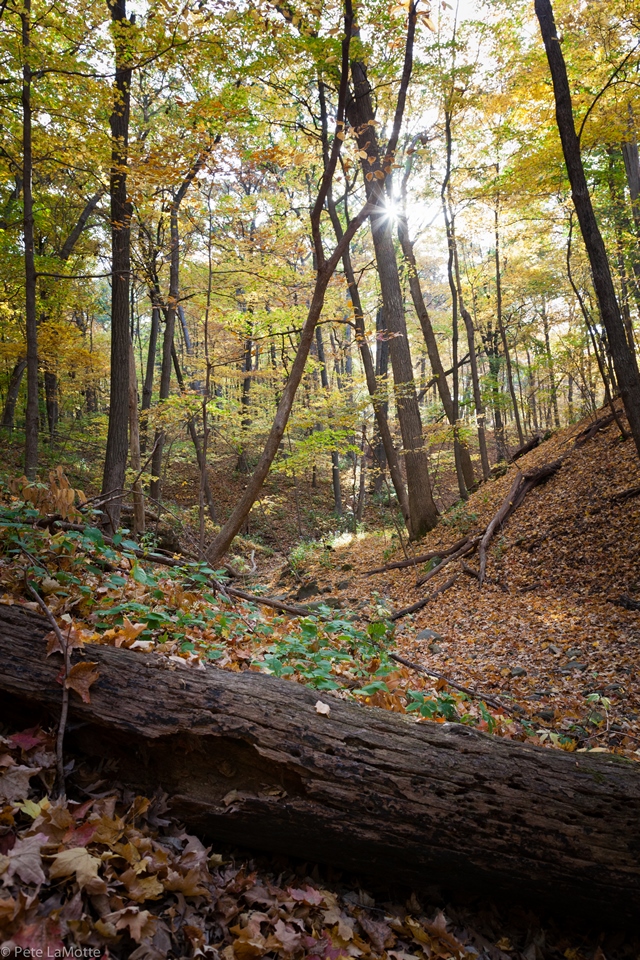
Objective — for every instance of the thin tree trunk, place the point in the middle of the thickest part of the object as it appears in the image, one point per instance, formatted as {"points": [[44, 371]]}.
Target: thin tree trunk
{"points": [[437, 368], [335, 456], [242, 466], [9, 412], [626, 370], [31, 426], [473, 359], [51, 401], [170, 315], [134, 444], [167, 348], [115, 463], [147, 390], [500, 322], [382, 374], [193, 433]]}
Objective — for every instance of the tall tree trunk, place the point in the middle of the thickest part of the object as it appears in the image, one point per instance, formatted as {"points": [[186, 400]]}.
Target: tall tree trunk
{"points": [[620, 225], [147, 390], [242, 466], [626, 370], [473, 359], [13, 390], [171, 313], [199, 450], [134, 444], [550, 367], [380, 407], [437, 367], [465, 478], [423, 512], [31, 426], [382, 374], [335, 455], [167, 347], [500, 321], [115, 463], [51, 400]]}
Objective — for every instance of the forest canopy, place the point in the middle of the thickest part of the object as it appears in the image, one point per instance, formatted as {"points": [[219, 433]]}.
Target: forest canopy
{"points": [[341, 243]]}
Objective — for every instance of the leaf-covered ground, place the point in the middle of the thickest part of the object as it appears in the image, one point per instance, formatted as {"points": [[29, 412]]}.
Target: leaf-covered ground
{"points": [[549, 632], [552, 636]]}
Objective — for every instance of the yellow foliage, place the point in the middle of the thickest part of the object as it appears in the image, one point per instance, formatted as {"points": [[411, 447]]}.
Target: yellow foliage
{"points": [[58, 496]]}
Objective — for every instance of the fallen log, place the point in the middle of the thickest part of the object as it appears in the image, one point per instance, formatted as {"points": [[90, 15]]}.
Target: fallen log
{"points": [[247, 758], [523, 483], [600, 424]]}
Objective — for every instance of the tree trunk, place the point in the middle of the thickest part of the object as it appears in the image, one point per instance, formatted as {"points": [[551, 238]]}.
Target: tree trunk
{"points": [[242, 466], [170, 315], [550, 368], [335, 455], [432, 346], [380, 408], [147, 390], [626, 370], [134, 444], [247, 759], [51, 400], [31, 322], [9, 412], [475, 377], [115, 462], [200, 452], [167, 347], [500, 322], [423, 512]]}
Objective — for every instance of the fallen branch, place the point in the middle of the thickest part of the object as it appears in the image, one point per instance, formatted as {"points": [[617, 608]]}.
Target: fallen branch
{"points": [[428, 672], [523, 483], [422, 603], [64, 708], [468, 547], [268, 602], [625, 495], [414, 561]]}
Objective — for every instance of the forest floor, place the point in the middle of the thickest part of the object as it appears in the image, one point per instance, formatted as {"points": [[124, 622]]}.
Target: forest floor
{"points": [[552, 625], [547, 650]]}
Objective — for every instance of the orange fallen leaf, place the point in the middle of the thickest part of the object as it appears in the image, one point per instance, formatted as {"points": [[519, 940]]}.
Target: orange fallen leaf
{"points": [[81, 677]]}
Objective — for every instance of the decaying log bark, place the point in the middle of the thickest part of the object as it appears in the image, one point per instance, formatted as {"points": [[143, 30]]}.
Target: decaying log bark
{"points": [[600, 424], [526, 447], [248, 759]]}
